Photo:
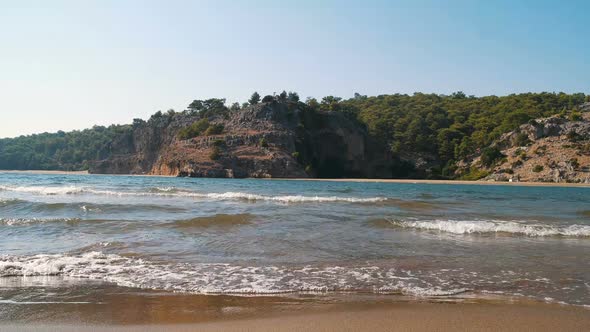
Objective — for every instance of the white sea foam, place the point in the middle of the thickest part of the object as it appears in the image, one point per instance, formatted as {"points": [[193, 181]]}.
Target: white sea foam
{"points": [[174, 192], [202, 278], [45, 190], [292, 198], [494, 226], [220, 278], [28, 221]]}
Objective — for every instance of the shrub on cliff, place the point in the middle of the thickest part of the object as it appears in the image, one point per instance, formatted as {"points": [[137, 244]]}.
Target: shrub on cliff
{"points": [[214, 129], [575, 116], [541, 150], [573, 136], [507, 171], [522, 139], [474, 173], [219, 143], [537, 168], [490, 155], [215, 153], [194, 129], [575, 163]]}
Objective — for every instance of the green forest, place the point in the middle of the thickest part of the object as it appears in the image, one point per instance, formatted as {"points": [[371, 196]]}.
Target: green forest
{"points": [[69, 151], [450, 127]]}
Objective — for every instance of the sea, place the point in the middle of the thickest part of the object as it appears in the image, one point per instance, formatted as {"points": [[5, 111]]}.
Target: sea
{"points": [[62, 236]]}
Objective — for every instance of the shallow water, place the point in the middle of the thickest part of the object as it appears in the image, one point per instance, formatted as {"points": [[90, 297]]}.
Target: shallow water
{"points": [[224, 236]]}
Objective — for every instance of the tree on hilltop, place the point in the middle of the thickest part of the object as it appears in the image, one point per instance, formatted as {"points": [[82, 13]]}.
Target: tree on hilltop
{"points": [[293, 97], [268, 99], [255, 99], [283, 96]]}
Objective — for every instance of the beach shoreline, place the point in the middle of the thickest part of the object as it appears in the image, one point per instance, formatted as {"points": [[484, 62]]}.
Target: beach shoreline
{"points": [[412, 316], [45, 172], [355, 180], [141, 254], [445, 182]]}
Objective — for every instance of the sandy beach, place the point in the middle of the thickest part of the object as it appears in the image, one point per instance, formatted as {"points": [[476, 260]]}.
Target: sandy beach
{"points": [[360, 317]]}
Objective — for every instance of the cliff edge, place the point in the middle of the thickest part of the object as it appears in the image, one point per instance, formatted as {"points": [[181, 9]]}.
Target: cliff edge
{"points": [[266, 140]]}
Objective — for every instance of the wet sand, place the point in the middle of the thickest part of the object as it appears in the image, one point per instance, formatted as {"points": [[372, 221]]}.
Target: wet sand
{"points": [[114, 308], [412, 316]]}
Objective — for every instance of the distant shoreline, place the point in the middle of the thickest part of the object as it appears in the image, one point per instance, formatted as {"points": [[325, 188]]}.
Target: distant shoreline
{"points": [[401, 181], [423, 181], [45, 172]]}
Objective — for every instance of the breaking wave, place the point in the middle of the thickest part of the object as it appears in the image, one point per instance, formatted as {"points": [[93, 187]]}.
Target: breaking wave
{"points": [[292, 198], [45, 190], [222, 278], [30, 221], [492, 226], [177, 192]]}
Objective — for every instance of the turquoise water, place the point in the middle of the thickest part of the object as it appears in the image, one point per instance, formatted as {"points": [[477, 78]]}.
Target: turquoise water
{"points": [[250, 237]]}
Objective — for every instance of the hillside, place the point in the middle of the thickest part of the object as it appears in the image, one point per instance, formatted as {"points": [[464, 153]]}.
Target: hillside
{"points": [[387, 136], [552, 149], [271, 139]]}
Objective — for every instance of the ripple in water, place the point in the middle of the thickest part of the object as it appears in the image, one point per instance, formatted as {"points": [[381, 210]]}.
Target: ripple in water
{"points": [[218, 220]]}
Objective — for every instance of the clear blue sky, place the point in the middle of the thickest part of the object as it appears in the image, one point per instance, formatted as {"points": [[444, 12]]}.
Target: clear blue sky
{"points": [[71, 64]]}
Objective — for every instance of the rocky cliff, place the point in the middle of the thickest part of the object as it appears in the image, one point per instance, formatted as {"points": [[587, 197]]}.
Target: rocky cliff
{"points": [[268, 140], [553, 149]]}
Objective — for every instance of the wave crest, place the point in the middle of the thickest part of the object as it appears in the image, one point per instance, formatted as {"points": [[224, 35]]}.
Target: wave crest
{"points": [[177, 192], [493, 226], [30, 221], [292, 198]]}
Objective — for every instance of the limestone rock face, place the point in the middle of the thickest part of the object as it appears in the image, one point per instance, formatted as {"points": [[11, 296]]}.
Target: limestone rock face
{"points": [[557, 149], [267, 140]]}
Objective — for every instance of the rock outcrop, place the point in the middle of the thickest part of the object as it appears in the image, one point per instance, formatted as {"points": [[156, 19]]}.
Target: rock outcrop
{"points": [[553, 149], [267, 140]]}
